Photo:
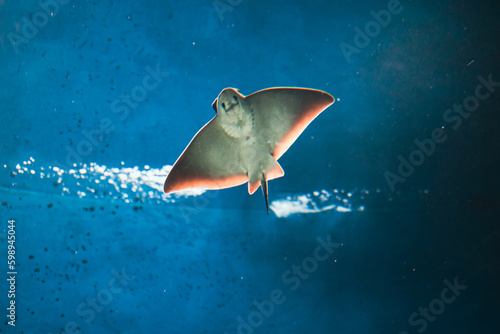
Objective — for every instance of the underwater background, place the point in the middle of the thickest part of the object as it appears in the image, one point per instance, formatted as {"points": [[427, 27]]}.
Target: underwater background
{"points": [[386, 220]]}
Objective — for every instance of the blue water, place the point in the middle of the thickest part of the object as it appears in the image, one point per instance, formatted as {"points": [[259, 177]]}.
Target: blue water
{"points": [[386, 220]]}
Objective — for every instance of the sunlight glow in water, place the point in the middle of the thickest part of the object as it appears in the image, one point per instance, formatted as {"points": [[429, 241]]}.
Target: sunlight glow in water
{"points": [[318, 201], [145, 185]]}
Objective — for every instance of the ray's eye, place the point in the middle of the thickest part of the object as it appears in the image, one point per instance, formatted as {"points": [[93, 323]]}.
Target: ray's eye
{"points": [[234, 98], [224, 105]]}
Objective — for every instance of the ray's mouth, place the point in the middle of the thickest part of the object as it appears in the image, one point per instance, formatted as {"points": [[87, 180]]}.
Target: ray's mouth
{"points": [[228, 106]]}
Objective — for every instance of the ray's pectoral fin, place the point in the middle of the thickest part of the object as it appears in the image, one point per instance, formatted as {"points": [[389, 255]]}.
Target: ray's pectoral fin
{"points": [[261, 177]]}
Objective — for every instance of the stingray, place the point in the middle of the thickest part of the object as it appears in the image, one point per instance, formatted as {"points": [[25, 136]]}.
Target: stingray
{"points": [[244, 140]]}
